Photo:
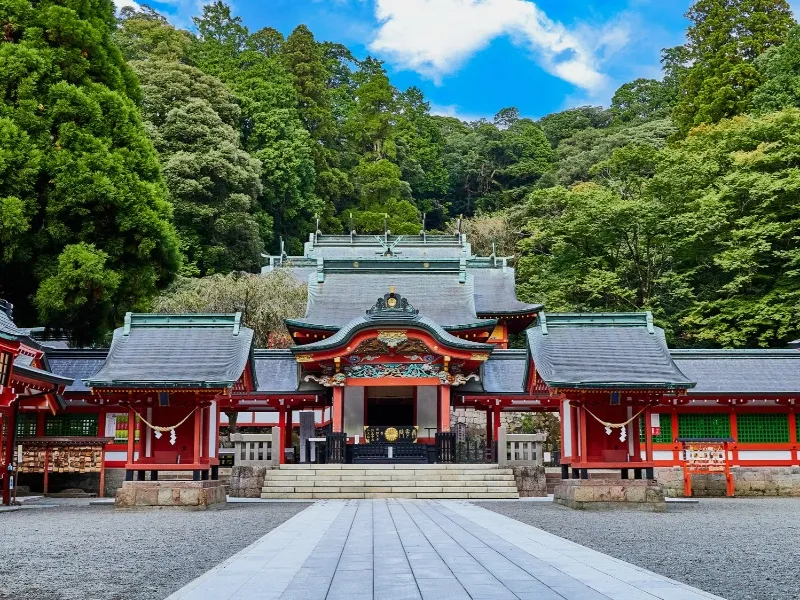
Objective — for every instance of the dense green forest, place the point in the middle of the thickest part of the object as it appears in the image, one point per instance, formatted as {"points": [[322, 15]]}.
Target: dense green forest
{"points": [[134, 155]]}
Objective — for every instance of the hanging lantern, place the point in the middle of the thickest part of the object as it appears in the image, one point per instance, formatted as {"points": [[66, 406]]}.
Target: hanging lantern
{"points": [[6, 361]]}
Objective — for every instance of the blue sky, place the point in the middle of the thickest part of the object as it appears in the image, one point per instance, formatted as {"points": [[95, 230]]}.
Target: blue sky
{"points": [[474, 57]]}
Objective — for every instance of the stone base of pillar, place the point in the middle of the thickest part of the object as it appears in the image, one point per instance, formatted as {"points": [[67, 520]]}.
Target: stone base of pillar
{"points": [[190, 495], [610, 494]]}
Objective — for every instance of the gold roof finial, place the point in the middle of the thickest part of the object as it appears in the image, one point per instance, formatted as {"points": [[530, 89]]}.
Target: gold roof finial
{"points": [[391, 289]]}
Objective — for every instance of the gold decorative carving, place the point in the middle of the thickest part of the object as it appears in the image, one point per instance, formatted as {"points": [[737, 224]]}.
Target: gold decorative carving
{"points": [[304, 358], [392, 338], [480, 356], [391, 434]]}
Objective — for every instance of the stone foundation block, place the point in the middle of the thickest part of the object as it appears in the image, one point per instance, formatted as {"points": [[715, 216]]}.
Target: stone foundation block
{"points": [[246, 482], [609, 494], [531, 481], [195, 495]]}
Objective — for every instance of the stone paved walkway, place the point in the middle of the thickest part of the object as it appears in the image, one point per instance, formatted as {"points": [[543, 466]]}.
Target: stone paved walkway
{"points": [[423, 550]]}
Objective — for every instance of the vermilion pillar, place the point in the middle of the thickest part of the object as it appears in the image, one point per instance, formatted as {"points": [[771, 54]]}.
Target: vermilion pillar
{"points": [[444, 408], [648, 435], [338, 409], [282, 430], [289, 427], [8, 452], [496, 420]]}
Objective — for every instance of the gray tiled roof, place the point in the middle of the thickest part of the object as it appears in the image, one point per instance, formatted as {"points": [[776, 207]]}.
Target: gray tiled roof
{"points": [[176, 351], [741, 371], [276, 371], [8, 328], [504, 372], [369, 246], [495, 292], [77, 364], [603, 350], [41, 374], [344, 296]]}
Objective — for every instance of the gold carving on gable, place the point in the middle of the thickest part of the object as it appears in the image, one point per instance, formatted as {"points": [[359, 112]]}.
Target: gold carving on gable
{"points": [[480, 356], [304, 358], [392, 338], [413, 347]]}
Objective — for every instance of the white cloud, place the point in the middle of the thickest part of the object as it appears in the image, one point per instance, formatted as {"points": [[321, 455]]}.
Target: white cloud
{"points": [[454, 110], [123, 3], [435, 37]]}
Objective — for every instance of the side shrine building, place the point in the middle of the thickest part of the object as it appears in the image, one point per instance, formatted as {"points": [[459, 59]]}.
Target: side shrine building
{"points": [[400, 333]]}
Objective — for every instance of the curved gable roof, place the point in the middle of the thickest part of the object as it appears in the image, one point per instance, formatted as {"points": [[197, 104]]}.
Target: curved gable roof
{"points": [[603, 351], [181, 351]]}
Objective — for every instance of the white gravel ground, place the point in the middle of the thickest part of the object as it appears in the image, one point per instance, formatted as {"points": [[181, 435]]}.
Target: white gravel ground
{"points": [[73, 551], [739, 548]]}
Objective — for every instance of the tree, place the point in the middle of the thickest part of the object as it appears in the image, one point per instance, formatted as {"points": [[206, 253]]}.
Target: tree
{"points": [[383, 195], [576, 155], [214, 184], [731, 190], [561, 125], [642, 99], [723, 41], [144, 34], [264, 301], [270, 126], [779, 68], [90, 235]]}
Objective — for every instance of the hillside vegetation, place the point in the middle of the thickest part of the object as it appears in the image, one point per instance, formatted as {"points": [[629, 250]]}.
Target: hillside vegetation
{"points": [[135, 156]]}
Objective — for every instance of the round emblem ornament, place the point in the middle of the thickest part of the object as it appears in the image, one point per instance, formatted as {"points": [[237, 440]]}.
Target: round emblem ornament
{"points": [[391, 434], [391, 302]]}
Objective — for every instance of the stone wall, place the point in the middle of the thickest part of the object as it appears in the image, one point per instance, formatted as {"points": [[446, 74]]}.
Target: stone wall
{"points": [[476, 419], [246, 482], [531, 481], [748, 481]]}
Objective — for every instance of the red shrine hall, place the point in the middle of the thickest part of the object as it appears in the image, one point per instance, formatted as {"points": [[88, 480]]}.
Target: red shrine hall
{"points": [[401, 335]]}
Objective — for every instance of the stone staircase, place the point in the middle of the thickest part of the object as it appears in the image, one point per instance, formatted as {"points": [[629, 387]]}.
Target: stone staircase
{"points": [[468, 482]]}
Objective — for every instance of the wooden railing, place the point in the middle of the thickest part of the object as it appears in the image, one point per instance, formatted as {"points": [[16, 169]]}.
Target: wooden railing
{"points": [[520, 449], [256, 449]]}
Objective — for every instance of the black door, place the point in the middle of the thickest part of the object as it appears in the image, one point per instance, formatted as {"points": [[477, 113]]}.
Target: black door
{"points": [[384, 412]]}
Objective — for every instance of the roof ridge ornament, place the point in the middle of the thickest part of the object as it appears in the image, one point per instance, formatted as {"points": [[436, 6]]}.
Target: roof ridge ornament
{"points": [[392, 305]]}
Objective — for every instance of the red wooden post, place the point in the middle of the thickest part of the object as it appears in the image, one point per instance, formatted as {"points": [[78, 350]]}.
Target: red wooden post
{"points": [[102, 471], [198, 425], [582, 448], [289, 427], [648, 435], [676, 452], [496, 419], [8, 451], [793, 434], [735, 436], [338, 409], [282, 430], [131, 434], [444, 408]]}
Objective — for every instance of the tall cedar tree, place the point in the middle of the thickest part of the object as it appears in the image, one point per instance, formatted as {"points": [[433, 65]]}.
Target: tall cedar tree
{"points": [[271, 129], [723, 41], [85, 231]]}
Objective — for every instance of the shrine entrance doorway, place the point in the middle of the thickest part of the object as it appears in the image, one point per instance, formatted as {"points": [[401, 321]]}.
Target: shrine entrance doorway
{"points": [[390, 411]]}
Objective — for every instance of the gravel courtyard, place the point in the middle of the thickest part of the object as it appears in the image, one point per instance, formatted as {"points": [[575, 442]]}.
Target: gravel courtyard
{"points": [[739, 548], [79, 552]]}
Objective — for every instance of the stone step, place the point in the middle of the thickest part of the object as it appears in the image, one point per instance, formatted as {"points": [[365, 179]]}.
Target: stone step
{"points": [[388, 477], [387, 482], [388, 473], [413, 495], [430, 467]]}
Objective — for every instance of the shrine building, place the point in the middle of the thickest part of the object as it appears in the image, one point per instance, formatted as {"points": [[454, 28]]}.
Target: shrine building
{"points": [[401, 335]]}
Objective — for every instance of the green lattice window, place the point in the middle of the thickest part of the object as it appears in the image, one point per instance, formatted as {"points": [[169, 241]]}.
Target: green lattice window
{"points": [[71, 425], [704, 425], [26, 425], [763, 428], [665, 437]]}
